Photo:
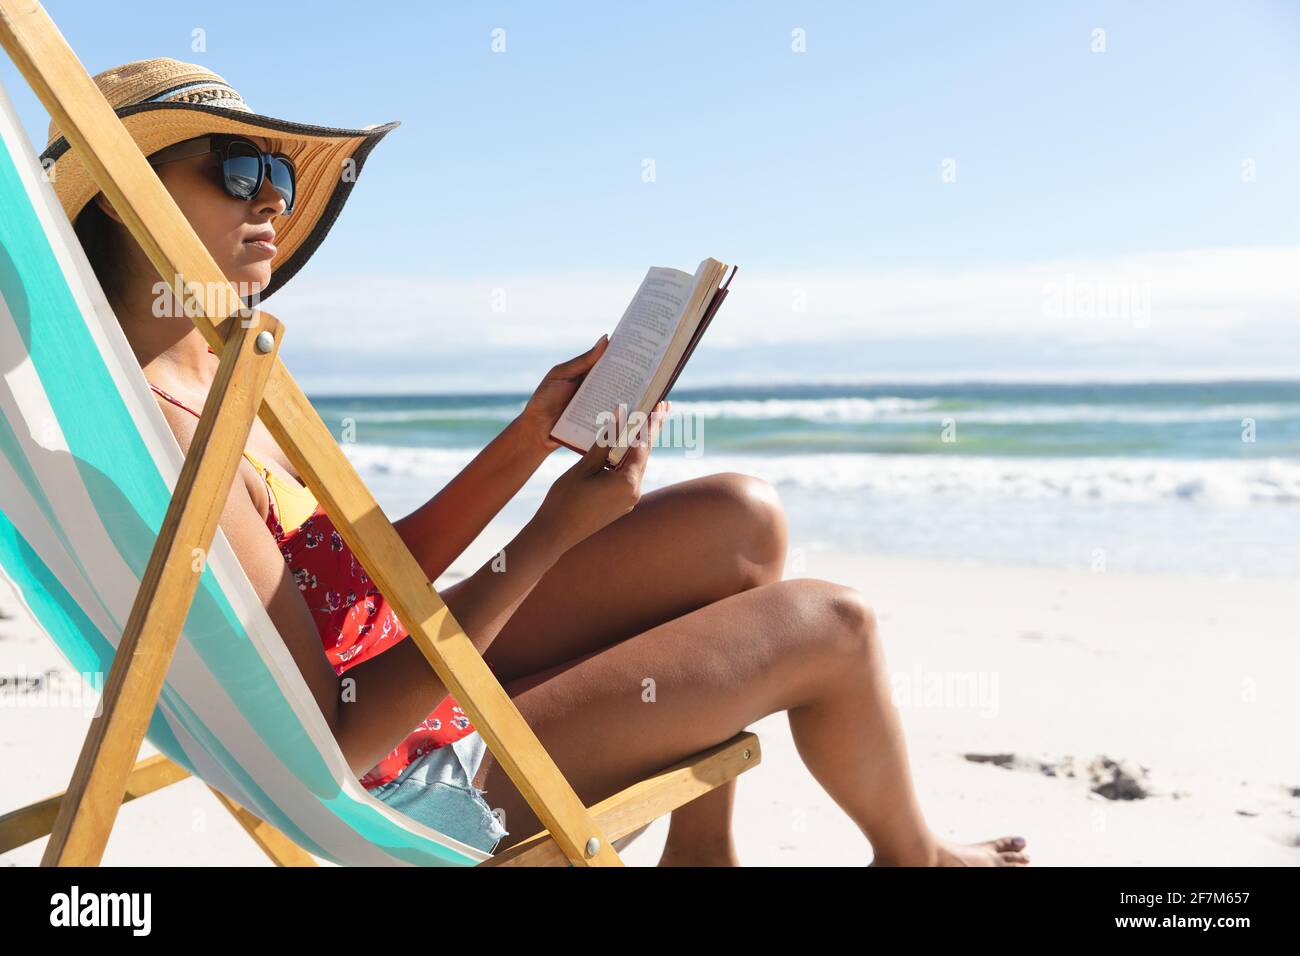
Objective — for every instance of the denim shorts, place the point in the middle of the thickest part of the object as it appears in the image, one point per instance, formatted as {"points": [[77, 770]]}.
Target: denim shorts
{"points": [[437, 789]]}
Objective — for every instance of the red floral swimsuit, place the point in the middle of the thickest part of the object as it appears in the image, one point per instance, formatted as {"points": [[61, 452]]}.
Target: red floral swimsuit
{"points": [[355, 622]]}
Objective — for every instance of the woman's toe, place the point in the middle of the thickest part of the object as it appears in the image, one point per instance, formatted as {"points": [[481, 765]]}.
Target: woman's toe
{"points": [[1008, 844], [1013, 859]]}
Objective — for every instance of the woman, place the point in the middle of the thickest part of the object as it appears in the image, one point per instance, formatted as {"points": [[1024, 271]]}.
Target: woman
{"points": [[604, 591]]}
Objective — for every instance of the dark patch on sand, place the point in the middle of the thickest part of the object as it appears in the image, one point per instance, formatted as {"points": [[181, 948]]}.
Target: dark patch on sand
{"points": [[1106, 776]]}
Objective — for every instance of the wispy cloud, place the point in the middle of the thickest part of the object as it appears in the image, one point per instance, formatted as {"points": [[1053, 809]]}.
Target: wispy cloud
{"points": [[1230, 309]]}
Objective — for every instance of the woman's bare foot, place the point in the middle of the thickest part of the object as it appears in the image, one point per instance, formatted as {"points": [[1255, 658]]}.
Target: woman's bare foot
{"points": [[1002, 851]]}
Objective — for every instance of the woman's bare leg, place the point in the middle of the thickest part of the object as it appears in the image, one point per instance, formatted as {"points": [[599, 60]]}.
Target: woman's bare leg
{"points": [[682, 547], [620, 713], [699, 832]]}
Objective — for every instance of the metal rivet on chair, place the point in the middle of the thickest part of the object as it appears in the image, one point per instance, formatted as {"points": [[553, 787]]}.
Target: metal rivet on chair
{"points": [[264, 342], [747, 753], [593, 846]]}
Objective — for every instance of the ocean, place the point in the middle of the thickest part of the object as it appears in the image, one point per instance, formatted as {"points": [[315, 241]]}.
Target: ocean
{"points": [[1188, 476]]}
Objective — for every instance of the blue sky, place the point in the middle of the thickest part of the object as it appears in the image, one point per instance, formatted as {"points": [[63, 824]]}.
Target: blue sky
{"points": [[820, 173]]}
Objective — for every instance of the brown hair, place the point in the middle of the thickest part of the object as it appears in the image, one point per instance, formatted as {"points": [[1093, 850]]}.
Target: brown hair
{"points": [[102, 238]]}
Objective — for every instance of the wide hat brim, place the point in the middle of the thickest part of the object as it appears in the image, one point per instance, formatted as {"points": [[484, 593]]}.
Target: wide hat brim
{"points": [[320, 155]]}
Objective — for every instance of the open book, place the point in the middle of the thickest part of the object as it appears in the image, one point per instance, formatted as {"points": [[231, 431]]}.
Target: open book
{"points": [[646, 353]]}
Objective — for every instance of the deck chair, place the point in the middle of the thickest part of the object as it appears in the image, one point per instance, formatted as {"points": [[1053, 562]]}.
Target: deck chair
{"points": [[110, 536]]}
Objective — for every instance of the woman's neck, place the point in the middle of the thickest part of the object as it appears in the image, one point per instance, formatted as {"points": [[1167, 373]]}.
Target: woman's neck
{"points": [[165, 341]]}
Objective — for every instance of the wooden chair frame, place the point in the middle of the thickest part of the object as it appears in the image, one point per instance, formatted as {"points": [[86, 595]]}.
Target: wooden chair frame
{"points": [[251, 380]]}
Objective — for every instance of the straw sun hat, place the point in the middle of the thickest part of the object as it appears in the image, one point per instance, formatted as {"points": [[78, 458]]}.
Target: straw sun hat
{"points": [[163, 101]]}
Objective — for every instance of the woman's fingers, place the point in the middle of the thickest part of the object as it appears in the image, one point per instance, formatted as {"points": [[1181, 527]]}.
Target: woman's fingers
{"points": [[595, 457], [654, 423], [639, 450], [581, 363], [638, 443]]}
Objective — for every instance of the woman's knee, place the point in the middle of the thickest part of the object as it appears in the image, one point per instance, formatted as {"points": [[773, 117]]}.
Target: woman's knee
{"points": [[755, 522], [827, 635], [856, 617], [844, 619]]}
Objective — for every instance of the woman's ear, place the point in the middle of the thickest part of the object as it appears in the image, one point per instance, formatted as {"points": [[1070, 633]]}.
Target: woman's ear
{"points": [[102, 201]]}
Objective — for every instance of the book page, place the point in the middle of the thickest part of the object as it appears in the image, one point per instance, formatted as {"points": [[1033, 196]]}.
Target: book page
{"points": [[631, 359], [703, 286]]}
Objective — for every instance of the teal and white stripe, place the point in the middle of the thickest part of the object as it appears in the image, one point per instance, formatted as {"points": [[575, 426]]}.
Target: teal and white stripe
{"points": [[87, 464]]}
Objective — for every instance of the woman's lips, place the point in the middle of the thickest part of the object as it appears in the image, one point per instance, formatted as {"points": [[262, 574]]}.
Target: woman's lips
{"points": [[264, 246]]}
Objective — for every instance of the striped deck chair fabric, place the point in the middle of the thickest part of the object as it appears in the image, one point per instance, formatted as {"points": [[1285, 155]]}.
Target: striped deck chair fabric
{"points": [[87, 468]]}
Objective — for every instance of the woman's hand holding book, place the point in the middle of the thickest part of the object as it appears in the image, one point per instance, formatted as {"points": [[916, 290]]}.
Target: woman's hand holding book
{"points": [[588, 496], [549, 400]]}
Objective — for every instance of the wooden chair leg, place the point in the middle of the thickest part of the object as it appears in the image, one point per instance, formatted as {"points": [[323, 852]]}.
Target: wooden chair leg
{"points": [[281, 850], [628, 812], [22, 826], [622, 843]]}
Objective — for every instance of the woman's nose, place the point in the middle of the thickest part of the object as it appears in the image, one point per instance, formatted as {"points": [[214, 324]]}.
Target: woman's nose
{"points": [[269, 199]]}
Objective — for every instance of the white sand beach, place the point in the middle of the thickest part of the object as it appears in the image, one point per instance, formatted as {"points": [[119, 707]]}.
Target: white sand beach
{"points": [[1185, 682]]}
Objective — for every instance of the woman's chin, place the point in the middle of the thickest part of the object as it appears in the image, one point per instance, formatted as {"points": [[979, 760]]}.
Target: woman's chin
{"points": [[250, 280]]}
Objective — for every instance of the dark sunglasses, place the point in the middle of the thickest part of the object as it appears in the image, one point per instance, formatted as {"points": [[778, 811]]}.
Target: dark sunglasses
{"points": [[244, 167]]}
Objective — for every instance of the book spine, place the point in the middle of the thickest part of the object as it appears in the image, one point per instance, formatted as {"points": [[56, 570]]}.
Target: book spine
{"points": [[718, 296]]}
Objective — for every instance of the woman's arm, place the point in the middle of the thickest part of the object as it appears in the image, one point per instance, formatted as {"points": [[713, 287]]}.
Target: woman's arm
{"points": [[443, 527], [259, 555], [391, 693], [397, 689]]}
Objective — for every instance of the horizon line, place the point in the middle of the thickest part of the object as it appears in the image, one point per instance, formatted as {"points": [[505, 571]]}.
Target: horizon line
{"points": [[1192, 377]]}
